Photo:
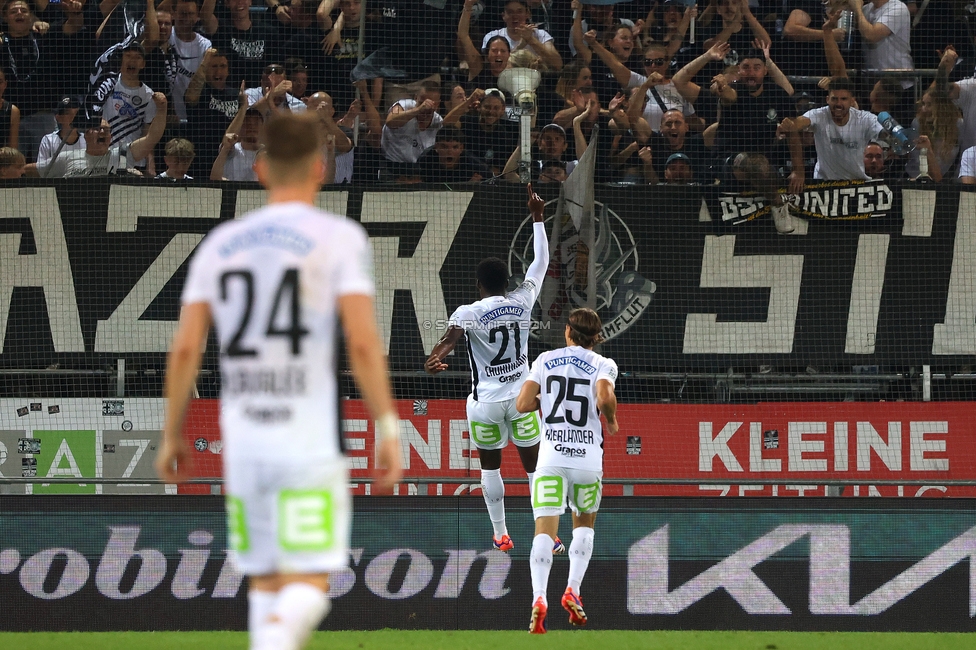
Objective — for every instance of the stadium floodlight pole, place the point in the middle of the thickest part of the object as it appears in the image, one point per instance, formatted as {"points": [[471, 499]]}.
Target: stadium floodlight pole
{"points": [[522, 82]]}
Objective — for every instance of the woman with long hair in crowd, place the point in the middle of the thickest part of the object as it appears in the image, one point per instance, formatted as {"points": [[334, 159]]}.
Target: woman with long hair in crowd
{"points": [[938, 121], [483, 70], [658, 93], [618, 41], [575, 74]]}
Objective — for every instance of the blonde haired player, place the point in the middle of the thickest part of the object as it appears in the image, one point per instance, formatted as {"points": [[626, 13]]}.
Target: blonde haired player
{"points": [[496, 329], [274, 284], [572, 386]]}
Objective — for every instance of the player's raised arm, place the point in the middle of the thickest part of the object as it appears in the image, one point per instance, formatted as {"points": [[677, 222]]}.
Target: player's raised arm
{"points": [[442, 348], [540, 242], [182, 365], [369, 369]]}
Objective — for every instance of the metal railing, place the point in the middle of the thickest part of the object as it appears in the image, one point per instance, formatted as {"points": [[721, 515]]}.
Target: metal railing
{"points": [[426, 480], [832, 487], [917, 76], [725, 383]]}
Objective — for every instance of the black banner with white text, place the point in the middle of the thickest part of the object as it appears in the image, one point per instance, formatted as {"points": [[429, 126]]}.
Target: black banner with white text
{"points": [[86, 280]]}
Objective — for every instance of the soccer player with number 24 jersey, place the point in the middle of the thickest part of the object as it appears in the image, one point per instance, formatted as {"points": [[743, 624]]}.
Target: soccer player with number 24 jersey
{"points": [[275, 284]]}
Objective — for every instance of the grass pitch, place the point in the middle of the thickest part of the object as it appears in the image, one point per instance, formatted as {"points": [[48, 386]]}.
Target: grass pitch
{"points": [[480, 640]]}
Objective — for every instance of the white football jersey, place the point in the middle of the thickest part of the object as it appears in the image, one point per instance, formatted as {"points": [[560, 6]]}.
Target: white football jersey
{"points": [[128, 110], [189, 56], [572, 435], [406, 143], [272, 280], [497, 329]]}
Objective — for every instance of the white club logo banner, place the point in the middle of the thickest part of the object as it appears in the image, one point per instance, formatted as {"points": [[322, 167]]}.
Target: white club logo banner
{"points": [[621, 295]]}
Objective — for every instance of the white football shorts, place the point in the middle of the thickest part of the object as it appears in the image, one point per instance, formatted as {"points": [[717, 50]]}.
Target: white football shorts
{"points": [[492, 424], [288, 516], [552, 487]]}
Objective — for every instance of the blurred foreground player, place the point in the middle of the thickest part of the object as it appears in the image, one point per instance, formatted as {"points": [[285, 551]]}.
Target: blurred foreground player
{"points": [[573, 386], [274, 284], [497, 332]]}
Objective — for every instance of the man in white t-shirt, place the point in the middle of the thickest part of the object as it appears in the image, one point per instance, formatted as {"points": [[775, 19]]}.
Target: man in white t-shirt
{"points": [[572, 386], [521, 34], [885, 26], [840, 133], [67, 137], [411, 128], [189, 47], [100, 157], [496, 329], [239, 148], [963, 93], [275, 284], [967, 167], [274, 93]]}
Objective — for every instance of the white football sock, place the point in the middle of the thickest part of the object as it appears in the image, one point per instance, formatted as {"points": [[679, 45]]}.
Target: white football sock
{"points": [[259, 604], [494, 491], [580, 552], [297, 612], [540, 563]]}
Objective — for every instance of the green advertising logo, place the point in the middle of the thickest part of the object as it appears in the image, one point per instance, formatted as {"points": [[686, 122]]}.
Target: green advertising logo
{"points": [[586, 496], [306, 520], [65, 454], [486, 435], [547, 492], [526, 428]]}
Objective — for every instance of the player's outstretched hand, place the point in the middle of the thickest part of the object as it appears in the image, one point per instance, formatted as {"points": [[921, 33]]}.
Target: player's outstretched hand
{"points": [[433, 365], [173, 461], [613, 427], [536, 205], [388, 470]]}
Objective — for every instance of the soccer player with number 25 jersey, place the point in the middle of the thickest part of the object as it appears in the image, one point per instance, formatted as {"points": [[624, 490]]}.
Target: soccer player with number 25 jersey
{"points": [[571, 386]]}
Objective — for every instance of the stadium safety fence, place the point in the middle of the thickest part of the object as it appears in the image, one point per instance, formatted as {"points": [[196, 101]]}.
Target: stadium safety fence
{"points": [[751, 363]]}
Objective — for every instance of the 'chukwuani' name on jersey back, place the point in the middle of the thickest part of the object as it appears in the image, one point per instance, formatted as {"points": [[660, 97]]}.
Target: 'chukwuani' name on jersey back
{"points": [[272, 281], [497, 329], [572, 434]]}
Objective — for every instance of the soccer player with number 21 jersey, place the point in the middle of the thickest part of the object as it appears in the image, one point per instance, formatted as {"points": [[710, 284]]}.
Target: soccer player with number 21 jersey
{"points": [[496, 329]]}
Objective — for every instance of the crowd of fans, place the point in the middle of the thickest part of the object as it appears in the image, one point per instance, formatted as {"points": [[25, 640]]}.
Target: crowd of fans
{"points": [[766, 92]]}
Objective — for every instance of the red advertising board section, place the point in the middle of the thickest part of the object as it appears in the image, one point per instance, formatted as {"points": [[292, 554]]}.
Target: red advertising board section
{"points": [[722, 449]]}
